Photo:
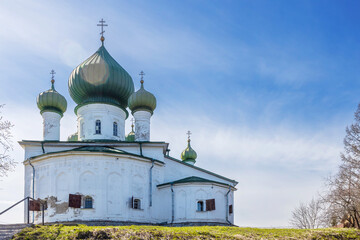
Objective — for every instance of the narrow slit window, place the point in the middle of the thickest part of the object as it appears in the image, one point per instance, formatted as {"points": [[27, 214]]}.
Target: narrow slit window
{"points": [[98, 127], [82, 130], [200, 206], [88, 202], [115, 129]]}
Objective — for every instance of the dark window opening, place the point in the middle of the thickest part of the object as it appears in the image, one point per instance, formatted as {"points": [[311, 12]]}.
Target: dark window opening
{"points": [[200, 206], [230, 209], [98, 127], [137, 203]]}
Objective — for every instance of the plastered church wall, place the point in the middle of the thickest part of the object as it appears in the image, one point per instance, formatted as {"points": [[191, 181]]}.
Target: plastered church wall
{"points": [[111, 182], [107, 114]]}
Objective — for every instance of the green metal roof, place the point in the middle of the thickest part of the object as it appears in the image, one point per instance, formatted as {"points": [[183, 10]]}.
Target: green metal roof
{"points": [[51, 101], [100, 79], [103, 149], [203, 170], [192, 179], [142, 100]]}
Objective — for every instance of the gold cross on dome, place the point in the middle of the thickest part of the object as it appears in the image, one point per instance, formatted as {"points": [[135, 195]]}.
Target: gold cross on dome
{"points": [[132, 121]]}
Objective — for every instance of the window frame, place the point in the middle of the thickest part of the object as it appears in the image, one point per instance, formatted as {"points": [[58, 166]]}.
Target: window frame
{"points": [[86, 200], [115, 129], [202, 204], [137, 203], [98, 127]]}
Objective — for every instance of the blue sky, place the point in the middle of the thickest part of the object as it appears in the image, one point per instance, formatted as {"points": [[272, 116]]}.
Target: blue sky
{"points": [[266, 87]]}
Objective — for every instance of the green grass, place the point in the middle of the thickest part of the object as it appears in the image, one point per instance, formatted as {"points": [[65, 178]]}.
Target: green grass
{"points": [[157, 232]]}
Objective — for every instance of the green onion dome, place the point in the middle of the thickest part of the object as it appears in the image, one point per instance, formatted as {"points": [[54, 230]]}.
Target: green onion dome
{"points": [[142, 100], [131, 136], [100, 79], [51, 101], [189, 155], [73, 137]]}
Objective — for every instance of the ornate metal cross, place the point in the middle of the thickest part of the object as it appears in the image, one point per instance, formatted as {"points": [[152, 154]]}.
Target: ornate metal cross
{"points": [[132, 121], [52, 74], [142, 75], [102, 25], [188, 133]]}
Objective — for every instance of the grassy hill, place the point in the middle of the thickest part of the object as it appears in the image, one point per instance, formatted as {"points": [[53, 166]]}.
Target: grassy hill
{"points": [[156, 232]]}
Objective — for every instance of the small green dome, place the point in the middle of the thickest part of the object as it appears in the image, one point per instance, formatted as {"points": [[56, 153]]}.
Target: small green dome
{"points": [[131, 136], [142, 100], [73, 137], [189, 155], [51, 101], [100, 79]]}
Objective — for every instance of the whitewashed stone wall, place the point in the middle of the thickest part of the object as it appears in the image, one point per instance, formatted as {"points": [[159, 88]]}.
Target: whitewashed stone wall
{"points": [[186, 197], [51, 126], [111, 180], [107, 114], [142, 125]]}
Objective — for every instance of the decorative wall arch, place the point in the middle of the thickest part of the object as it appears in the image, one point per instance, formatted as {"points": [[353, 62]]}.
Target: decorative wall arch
{"points": [[87, 183], [43, 186], [220, 201], [114, 190], [181, 205], [138, 186], [62, 186]]}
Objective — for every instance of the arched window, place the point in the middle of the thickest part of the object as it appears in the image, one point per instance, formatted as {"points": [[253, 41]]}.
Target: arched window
{"points": [[200, 206], [98, 127], [115, 129], [137, 203], [88, 203]]}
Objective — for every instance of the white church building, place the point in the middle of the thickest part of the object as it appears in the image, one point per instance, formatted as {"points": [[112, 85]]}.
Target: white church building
{"points": [[101, 174]]}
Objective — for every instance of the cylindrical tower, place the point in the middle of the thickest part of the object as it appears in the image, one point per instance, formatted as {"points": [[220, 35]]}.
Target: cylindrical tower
{"points": [[52, 105], [142, 104]]}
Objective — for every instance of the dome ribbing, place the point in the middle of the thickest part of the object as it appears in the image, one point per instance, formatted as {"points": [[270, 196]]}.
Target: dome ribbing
{"points": [[189, 155], [51, 101], [142, 100], [100, 79]]}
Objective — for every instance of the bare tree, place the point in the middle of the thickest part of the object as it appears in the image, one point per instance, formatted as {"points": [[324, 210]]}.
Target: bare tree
{"points": [[343, 195], [6, 162], [307, 215]]}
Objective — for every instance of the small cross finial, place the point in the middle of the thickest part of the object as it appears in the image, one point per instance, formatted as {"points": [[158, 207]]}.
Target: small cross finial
{"points": [[52, 79], [142, 77], [188, 133], [52, 74], [102, 25]]}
